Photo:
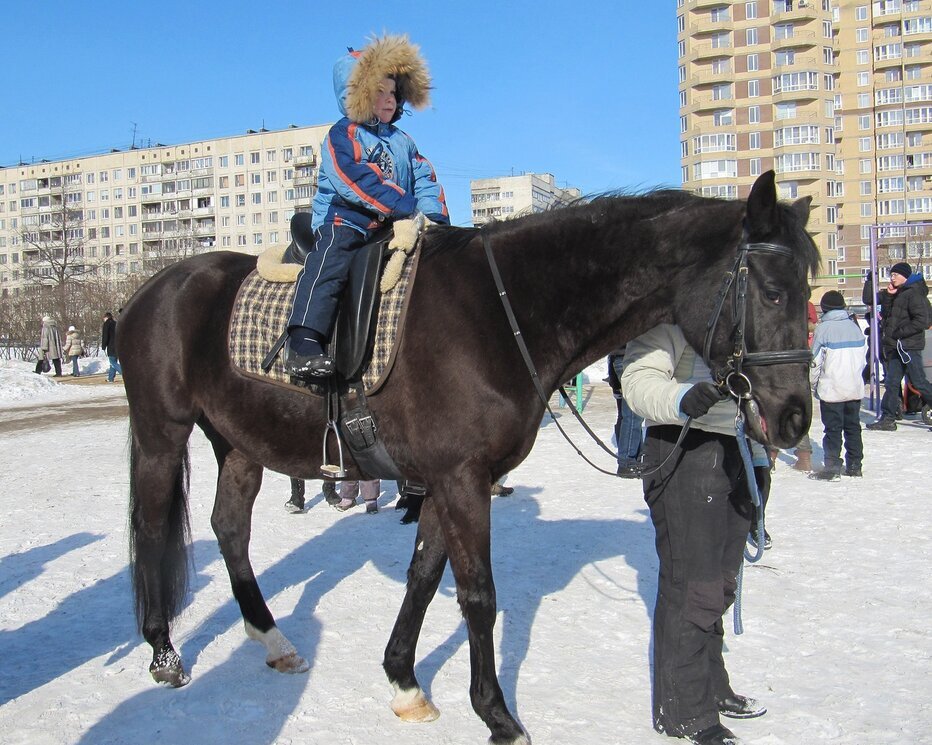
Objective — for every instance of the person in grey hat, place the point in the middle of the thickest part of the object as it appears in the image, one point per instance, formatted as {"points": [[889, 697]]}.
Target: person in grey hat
{"points": [[906, 316], [837, 360]]}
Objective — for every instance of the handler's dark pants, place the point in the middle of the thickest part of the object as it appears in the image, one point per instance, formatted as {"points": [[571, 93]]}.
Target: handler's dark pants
{"points": [[323, 278], [700, 506]]}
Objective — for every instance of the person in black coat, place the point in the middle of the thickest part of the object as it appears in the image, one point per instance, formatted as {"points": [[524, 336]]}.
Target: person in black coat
{"points": [[905, 315], [108, 343]]}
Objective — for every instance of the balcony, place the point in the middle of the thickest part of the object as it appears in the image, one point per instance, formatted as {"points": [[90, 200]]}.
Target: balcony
{"points": [[803, 9], [709, 51], [303, 180], [799, 39], [809, 62], [305, 160]]}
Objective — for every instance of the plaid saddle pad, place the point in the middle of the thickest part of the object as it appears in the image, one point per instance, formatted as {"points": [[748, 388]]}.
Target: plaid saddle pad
{"points": [[261, 312]]}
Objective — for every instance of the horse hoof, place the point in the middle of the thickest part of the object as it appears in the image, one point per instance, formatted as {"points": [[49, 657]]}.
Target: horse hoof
{"points": [[520, 740], [290, 663], [167, 670], [414, 706]]}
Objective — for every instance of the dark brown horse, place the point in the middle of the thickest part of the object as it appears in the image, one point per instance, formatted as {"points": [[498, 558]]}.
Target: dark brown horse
{"points": [[459, 409]]}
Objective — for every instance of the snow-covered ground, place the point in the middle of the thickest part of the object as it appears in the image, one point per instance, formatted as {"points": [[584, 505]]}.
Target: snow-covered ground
{"points": [[836, 616]]}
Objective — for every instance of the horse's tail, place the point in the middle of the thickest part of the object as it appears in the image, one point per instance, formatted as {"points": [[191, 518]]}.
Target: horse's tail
{"points": [[158, 556]]}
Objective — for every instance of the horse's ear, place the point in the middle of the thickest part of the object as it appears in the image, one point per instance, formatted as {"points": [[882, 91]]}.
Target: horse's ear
{"points": [[801, 207], [762, 215]]}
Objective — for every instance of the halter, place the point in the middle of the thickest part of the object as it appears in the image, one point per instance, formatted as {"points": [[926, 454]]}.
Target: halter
{"points": [[730, 376]]}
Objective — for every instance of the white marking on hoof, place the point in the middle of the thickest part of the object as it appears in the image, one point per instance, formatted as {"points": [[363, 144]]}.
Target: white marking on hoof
{"points": [[522, 740], [167, 670], [282, 655], [413, 706]]}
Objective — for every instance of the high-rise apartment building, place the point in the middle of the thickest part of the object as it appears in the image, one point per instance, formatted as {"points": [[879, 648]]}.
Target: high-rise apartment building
{"points": [[510, 196], [123, 212], [833, 95]]}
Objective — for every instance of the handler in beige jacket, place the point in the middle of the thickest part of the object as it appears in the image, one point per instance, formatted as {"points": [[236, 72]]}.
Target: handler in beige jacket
{"points": [[700, 507]]}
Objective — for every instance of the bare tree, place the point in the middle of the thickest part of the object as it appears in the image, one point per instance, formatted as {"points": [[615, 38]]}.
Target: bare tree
{"points": [[54, 238]]}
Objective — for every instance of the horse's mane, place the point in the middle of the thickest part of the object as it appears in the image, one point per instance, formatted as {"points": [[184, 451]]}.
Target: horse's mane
{"points": [[705, 215]]}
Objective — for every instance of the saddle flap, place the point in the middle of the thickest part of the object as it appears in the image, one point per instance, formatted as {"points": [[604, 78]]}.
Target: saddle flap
{"points": [[357, 310], [302, 238]]}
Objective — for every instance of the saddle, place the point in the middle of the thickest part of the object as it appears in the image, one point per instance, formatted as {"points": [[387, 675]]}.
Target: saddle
{"points": [[356, 314], [348, 415]]}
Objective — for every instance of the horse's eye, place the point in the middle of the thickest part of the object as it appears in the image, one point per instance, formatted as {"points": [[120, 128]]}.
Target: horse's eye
{"points": [[774, 296]]}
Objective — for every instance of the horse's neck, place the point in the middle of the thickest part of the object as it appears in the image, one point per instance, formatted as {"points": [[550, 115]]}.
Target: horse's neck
{"points": [[581, 296]]}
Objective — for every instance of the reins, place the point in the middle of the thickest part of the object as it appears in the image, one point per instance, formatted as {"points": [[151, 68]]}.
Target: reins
{"points": [[730, 378]]}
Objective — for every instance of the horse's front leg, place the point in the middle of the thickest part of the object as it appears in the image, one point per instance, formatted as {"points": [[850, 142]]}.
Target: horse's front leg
{"points": [[462, 507], [237, 487], [424, 574]]}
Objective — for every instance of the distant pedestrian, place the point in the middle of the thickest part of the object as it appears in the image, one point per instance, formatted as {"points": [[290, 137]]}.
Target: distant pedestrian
{"points": [[349, 490], [628, 425], [905, 316], [50, 346], [837, 359], [108, 343], [296, 503], [74, 349]]}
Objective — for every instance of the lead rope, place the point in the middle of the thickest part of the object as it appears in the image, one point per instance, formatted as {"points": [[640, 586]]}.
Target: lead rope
{"points": [[756, 501]]}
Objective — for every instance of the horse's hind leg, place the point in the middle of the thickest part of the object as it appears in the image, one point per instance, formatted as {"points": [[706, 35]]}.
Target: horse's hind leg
{"points": [[424, 574], [237, 487], [158, 540]]}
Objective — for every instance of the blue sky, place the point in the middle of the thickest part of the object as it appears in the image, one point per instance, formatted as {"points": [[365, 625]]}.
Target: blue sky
{"points": [[584, 90]]}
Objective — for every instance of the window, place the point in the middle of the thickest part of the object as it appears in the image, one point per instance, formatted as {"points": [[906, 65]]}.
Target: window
{"points": [[753, 114], [865, 188], [755, 166], [714, 143], [863, 78], [867, 209], [682, 72], [864, 165], [751, 36], [721, 40], [224, 161], [721, 91], [861, 36], [826, 29], [860, 13], [750, 10], [723, 117], [784, 57], [864, 121], [225, 201], [257, 239], [785, 110], [864, 144], [754, 141], [753, 88], [255, 178], [257, 198], [753, 63], [254, 157], [270, 156], [783, 31], [238, 159], [862, 56]]}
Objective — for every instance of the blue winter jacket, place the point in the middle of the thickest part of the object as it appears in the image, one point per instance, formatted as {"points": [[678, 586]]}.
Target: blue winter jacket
{"points": [[370, 173]]}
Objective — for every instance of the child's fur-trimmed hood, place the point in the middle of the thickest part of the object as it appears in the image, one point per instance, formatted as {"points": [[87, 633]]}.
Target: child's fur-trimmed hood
{"points": [[356, 77]]}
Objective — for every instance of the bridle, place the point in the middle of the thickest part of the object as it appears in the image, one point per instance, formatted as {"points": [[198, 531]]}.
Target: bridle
{"points": [[730, 376]]}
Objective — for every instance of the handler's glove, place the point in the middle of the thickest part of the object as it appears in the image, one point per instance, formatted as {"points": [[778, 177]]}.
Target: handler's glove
{"points": [[699, 399]]}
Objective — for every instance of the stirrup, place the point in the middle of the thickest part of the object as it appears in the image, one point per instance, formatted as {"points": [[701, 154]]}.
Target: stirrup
{"points": [[330, 470]]}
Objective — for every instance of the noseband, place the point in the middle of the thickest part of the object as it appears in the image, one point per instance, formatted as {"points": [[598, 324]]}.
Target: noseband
{"points": [[730, 376]]}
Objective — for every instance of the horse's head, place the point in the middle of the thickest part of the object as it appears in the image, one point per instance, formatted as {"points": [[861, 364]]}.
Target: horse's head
{"points": [[757, 346]]}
